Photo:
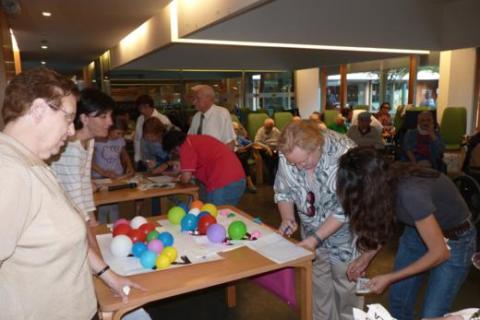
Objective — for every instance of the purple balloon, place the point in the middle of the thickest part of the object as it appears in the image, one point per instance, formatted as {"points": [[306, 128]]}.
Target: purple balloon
{"points": [[216, 233], [155, 245]]}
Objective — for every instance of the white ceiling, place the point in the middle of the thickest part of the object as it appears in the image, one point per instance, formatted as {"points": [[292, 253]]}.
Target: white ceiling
{"points": [[78, 30], [81, 30]]}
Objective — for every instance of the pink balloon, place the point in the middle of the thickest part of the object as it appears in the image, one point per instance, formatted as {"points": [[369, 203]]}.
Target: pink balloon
{"points": [[155, 246], [121, 221]]}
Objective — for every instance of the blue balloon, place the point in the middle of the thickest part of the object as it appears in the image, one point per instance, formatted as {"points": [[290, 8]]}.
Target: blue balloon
{"points": [[184, 206], [166, 238], [201, 214], [189, 222], [138, 248], [148, 259]]}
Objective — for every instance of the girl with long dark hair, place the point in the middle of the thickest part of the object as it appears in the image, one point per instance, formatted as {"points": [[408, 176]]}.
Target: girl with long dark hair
{"points": [[438, 238]]}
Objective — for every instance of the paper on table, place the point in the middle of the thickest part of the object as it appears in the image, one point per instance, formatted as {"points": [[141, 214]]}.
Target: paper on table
{"points": [[130, 265], [278, 249], [160, 179], [102, 182], [156, 182]]}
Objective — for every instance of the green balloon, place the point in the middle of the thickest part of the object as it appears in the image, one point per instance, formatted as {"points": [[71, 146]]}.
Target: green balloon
{"points": [[152, 235], [237, 230], [176, 214]]}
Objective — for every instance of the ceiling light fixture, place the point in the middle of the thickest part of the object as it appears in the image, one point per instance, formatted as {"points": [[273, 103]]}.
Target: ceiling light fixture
{"points": [[43, 62], [44, 44], [176, 39], [46, 14]]}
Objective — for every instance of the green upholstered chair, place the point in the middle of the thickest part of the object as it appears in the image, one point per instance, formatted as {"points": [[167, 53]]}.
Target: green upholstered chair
{"points": [[361, 107], [234, 118], [254, 122], [281, 119], [330, 116], [453, 127], [398, 119]]}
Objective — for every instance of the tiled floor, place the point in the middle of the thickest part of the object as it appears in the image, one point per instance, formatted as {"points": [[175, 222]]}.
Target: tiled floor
{"points": [[254, 302]]}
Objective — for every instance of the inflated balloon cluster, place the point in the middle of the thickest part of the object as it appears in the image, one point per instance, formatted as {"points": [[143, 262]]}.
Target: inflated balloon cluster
{"points": [[200, 219], [139, 238]]}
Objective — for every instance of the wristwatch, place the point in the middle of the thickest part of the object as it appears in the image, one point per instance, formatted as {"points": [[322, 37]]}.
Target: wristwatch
{"points": [[317, 238]]}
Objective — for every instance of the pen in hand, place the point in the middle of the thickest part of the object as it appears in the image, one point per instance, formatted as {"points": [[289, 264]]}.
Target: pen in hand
{"points": [[289, 229]]}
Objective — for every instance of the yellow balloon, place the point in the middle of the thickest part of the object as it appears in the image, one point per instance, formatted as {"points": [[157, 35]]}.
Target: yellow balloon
{"points": [[163, 261], [170, 252], [210, 208]]}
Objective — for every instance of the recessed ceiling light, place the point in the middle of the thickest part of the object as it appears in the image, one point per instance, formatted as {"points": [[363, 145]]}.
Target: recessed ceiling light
{"points": [[44, 46], [46, 14], [43, 62]]}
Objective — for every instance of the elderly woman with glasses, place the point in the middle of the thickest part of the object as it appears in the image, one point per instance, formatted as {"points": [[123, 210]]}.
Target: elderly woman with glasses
{"points": [[45, 264], [308, 161]]}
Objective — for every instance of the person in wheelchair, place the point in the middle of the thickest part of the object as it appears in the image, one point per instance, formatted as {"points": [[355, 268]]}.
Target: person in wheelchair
{"points": [[471, 164], [423, 145]]}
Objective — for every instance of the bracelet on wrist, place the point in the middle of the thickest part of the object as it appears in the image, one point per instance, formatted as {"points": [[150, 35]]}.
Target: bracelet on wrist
{"points": [[317, 238], [99, 273]]}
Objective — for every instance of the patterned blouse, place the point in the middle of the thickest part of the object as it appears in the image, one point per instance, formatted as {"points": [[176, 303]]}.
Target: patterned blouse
{"points": [[291, 185]]}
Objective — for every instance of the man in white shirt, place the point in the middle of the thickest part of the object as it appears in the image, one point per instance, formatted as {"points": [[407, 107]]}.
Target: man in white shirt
{"points": [[211, 119], [146, 108], [364, 135]]}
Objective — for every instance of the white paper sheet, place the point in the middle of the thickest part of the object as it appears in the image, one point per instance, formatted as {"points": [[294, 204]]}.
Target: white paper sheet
{"points": [[277, 248]]}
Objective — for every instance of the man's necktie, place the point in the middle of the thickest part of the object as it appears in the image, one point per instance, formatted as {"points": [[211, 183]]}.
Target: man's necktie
{"points": [[200, 127]]}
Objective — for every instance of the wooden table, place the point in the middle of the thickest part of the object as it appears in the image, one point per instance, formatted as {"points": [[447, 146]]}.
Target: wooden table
{"points": [[107, 197], [236, 265]]}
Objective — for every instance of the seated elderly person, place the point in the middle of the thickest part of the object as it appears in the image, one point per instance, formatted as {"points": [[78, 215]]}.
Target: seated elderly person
{"points": [[243, 151], [266, 141], [318, 118], [383, 115], [364, 134], [339, 125], [423, 145], [353, 120], [296, 119]]}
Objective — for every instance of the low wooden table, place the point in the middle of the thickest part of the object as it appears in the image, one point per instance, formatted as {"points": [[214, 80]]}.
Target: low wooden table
{"points": [[236, 265], [108, 197]]}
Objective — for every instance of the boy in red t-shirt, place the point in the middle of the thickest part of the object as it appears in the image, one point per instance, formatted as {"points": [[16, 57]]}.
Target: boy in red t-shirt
{"points": [[212, 163]]}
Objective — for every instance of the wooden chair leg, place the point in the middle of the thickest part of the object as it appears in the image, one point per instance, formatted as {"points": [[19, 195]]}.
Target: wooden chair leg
{"points": [[258, 167], [231, 292]]}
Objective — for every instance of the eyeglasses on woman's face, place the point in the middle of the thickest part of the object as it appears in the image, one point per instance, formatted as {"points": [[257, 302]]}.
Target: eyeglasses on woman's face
{"points": [[310, 204], [69, 116], [303, 159]]}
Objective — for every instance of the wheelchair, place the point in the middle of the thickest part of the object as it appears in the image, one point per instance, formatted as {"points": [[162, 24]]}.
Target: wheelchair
{"points": [[470, 191], [469, 188]]}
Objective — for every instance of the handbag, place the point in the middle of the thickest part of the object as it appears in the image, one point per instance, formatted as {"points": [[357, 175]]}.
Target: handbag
{"points": [[281, 283]]}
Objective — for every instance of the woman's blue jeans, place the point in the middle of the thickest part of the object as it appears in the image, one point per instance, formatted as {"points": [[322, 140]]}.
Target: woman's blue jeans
{"points": [[228, 195], [444, 281]]}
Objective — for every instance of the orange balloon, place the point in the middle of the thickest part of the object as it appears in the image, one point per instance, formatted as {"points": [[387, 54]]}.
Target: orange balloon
{"points": [[196, 204]]}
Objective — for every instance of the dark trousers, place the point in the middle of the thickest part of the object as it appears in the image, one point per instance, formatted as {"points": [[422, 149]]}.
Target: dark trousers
{"points": [[271, 165]]}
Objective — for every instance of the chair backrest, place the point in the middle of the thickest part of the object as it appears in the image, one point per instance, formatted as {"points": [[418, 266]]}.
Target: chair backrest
{"points": [[330, 116], [234, 118], [282, 118], [361, 107], [254, 122], [412, 115], [453, 126]]}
